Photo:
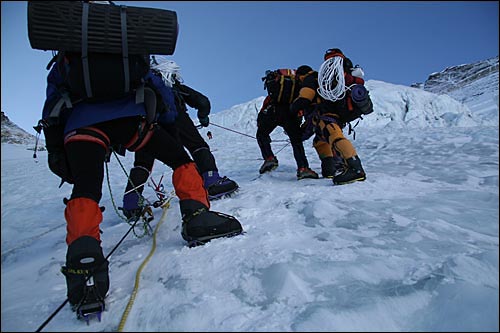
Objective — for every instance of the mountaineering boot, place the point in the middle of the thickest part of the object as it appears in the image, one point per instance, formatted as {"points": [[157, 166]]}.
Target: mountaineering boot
{"points": [[327, 167], [330, 166], [87, 277], [306, 173], [217, 186], [269, 164], [131, 208], [200, 225], [352, 172]]}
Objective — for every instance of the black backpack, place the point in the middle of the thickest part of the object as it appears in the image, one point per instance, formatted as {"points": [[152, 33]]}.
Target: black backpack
{"points": [[355, 105], [103, 50], [107, 77], [281, 85], [102, 54]]}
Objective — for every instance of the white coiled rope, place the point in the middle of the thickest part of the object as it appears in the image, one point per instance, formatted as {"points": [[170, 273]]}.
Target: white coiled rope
{"points": [[169, 69], [331, 79]]}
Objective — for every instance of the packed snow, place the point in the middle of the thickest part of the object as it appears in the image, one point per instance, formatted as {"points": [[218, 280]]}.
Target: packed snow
{"points": [[412, 248]]}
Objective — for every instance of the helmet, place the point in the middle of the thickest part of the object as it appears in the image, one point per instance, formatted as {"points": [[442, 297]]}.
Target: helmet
{"points": [[169, 70], [333, 53]]}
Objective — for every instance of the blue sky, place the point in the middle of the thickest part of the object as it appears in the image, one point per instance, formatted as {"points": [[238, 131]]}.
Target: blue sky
{"points": [[224, 47]]}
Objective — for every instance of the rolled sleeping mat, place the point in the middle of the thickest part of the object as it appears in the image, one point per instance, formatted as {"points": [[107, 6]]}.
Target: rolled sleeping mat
{"points": [[361, 98], [359, 93], [57, 25]]}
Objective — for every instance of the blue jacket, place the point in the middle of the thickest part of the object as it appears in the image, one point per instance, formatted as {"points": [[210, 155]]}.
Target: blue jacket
{"points": [[170, 111], [86, 114]]}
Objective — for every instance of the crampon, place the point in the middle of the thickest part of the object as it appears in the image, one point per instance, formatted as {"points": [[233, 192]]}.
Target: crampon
{"points": [[91, 305], [222, 195]]}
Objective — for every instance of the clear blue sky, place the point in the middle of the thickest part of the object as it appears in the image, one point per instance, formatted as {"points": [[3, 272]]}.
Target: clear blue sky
{"points": [[224, 47]]}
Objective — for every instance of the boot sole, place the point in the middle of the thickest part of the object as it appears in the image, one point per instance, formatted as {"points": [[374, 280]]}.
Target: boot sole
{"points": [[299, 178], [273, 168], [350, 181], [204, 240], [219, 196]]}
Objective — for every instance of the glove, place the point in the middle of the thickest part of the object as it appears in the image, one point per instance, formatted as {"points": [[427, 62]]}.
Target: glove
{"points": [[58, 163], [59, 166], [204, 121]]}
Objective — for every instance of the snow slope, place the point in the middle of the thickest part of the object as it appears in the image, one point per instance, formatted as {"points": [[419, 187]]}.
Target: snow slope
{"points": [[413, 248]]}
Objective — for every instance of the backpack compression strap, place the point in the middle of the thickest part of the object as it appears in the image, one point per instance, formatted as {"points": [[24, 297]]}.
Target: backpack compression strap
{"points": [[85, 40], [85, 59], [123, 19]]}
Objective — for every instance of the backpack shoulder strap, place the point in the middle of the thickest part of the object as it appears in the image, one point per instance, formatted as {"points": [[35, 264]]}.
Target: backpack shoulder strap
{"points": [[85, 40], [149, 97], [64, 100]]}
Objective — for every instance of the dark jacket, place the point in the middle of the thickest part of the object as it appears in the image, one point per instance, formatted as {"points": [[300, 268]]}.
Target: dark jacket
{"points": [[309, 97], [195, 99]]}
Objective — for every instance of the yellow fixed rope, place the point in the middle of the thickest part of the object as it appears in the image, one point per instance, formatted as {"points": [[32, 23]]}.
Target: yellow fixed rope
{"points": [[165, 207]]}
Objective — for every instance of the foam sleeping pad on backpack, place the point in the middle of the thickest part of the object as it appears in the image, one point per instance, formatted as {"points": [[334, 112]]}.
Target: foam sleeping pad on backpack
{"points": [[361, 99], [359, 93], [57, 25]]}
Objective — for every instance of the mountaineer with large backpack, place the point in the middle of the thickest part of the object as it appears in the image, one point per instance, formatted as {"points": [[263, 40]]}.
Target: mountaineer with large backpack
{"points": [[101, 98], [282, 88], [182, 127], [330, 99]]}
